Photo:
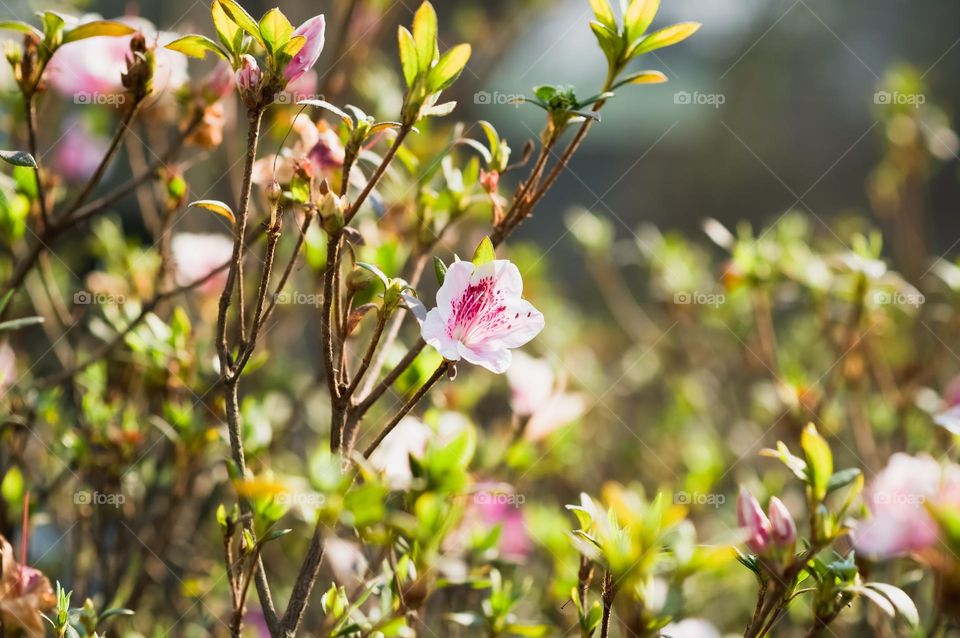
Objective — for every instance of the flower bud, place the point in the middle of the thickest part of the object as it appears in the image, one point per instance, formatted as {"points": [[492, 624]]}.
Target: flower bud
{"points": [[248, 75], [313, 30], [331, 212], [783, 527], [274, 191], [489, 180], [750, 517]]}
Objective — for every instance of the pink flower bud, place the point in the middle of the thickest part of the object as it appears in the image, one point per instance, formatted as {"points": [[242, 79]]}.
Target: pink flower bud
{"points": [[781, 522], [313, 30], [248, 75], [219, 82], [750, 517], [489, 180]]}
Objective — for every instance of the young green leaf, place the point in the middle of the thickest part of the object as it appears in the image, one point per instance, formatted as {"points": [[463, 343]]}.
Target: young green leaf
{"points": [[408, 55], [18, 158], [22, 27], [449, 67], [639, 15], [275, 29], [227, 30], [215, 206], [665, 37], [323, 104], [484, 252], [819, 460], [425, 35], [97, 28], [196, 46], [642, 77], [440, 269], [292, 47], [610, 42], [604, 13], [242, 19]]}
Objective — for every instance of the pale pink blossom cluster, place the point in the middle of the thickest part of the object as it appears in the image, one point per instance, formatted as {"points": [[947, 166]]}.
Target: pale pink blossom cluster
{"points": [[537, 394]]}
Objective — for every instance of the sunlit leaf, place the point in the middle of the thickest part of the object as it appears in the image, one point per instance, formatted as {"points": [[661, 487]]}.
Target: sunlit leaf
{"points": [[336, 110], [275, 29], [196, 46], [484, 252], [22, 27], [97, 28], [819, 460], [604, 13], [225, 27], [217, 207], [425, 35], [639, 15], [242, 19], [408, 55], [449, 67], [664, 37]]}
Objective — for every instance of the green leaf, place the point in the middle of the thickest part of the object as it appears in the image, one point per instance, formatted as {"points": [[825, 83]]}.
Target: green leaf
{"points": [[196, 46], [226, 28], [425, 35], [22, 27], [217, 207], [274, 535], [292, 47], [408, 56], [449, 67], [642, 77], [903, 604], [819, 460], [23, 322], [610, 42], [604, 13], [529, 631], [275, 29], [639, 15], [18, 158], [243, 20], [484, 252], [665, 37], [115, 611], [842, 478], [376, 271], [52, 27], [440, 269], [323, 104], [222, 516], [97, 28]]}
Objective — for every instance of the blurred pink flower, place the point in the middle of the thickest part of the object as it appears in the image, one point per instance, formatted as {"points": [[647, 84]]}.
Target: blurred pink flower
{"points": [[304, 87], [313, 30], [92, 67], [480, 315], [536, 394], [317, 143], [8, 366], [491, 508], [78, 153], [218, 84], [751, 518], [197, 255], [392, 456], [899, 522]]}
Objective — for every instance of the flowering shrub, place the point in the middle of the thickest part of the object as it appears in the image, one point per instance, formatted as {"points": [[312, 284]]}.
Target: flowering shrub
{"points": [[297, 427]]}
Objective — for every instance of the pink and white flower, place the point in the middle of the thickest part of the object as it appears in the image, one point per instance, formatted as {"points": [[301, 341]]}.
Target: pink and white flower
{"points": [[900, 523], [313, 30], [480, 315], [537, 394], [197, 255]]}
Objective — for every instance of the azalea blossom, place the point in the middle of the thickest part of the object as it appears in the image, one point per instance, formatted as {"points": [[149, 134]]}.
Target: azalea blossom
{"points": [[751, 519], [92, 67], [317, 145], [899, 522], [480, 315], [392, 456], [313, 30], [490, 507], [197, 255], [78, 153], [536, 394], [25, 593]]}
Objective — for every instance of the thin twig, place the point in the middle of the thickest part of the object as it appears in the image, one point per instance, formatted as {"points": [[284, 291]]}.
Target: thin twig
{"points": [[407, 407]]}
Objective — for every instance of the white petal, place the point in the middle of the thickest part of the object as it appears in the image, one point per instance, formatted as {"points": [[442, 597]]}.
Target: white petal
{"points": [[505, 274], [525, 322], [434, 332], [415, 306], [495, 359], [454, 283]]}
